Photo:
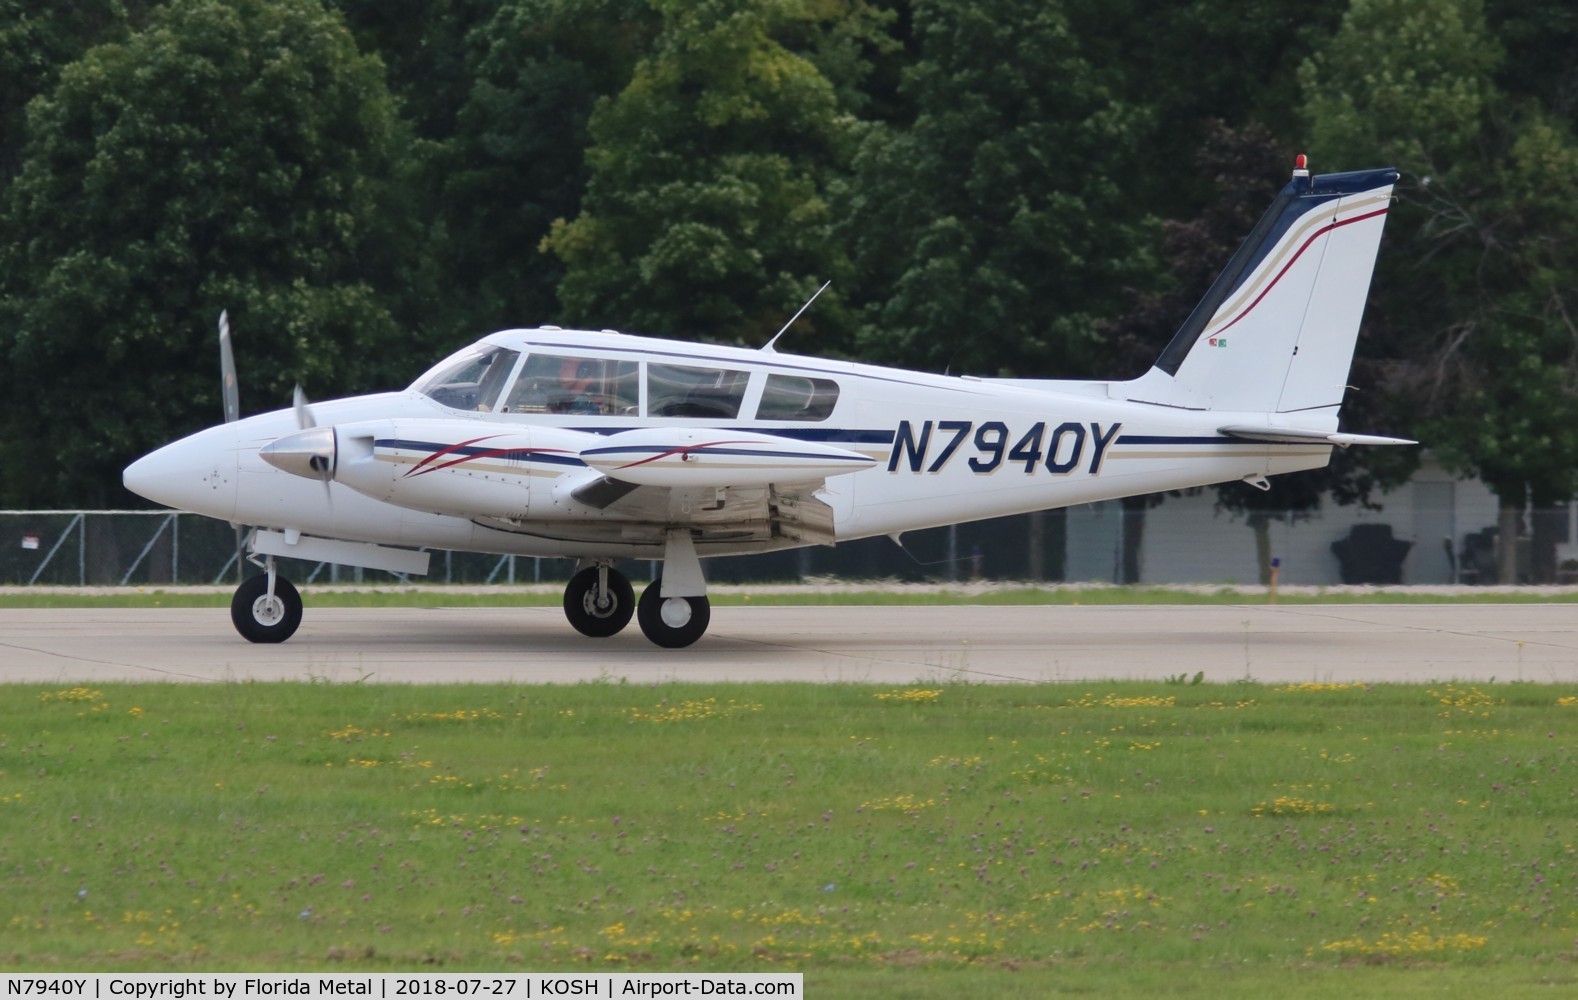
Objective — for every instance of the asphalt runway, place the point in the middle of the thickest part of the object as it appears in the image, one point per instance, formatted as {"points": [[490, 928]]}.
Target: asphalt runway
{"points": [[883, 645]]}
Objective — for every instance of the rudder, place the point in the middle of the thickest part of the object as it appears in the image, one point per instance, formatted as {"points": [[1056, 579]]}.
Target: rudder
{"points": [[1276, 330]]}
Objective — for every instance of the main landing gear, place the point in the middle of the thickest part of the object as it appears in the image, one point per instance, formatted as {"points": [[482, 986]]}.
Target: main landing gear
{"points": [[266, 608], [673, 611], [672, 622], [599, 601]]}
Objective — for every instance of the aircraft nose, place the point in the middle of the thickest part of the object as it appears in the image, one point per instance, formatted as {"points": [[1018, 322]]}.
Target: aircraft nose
{"points": [[197, 473]]}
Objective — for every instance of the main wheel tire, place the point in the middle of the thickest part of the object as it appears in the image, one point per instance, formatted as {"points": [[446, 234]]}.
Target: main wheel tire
{"points": [[672, 622], [583, 611], [260, 618]]}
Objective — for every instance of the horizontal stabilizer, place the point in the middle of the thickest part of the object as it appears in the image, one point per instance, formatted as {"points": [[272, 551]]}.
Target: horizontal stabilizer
{"points": [[1293, 435]]}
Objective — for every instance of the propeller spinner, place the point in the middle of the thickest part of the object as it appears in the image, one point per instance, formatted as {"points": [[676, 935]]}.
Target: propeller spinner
{"points": [[309, 453], [312, 452]]}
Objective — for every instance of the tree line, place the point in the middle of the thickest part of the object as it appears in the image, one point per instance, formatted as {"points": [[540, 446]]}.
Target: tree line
{"points": [[1017, 187]]}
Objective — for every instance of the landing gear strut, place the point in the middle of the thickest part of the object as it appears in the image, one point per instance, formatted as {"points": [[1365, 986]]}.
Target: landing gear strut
{"points": [[599, 601], [266, 608], [674, 610]]}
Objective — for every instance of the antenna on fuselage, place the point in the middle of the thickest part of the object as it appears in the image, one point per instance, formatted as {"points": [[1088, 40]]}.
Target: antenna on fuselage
{"points": [[767, 348]]}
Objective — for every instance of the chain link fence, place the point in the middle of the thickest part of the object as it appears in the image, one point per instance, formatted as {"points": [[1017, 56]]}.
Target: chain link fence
{"points": [[1182, 540], [160, 548]]}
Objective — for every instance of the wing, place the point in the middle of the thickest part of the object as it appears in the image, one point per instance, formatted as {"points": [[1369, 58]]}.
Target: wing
{"points": [[789, 514], [729, 485]]}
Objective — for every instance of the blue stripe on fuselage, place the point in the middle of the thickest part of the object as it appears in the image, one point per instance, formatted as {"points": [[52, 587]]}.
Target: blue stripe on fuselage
{"points": [[508, 454], [707, 449], [1184, 439], [823, 435]]}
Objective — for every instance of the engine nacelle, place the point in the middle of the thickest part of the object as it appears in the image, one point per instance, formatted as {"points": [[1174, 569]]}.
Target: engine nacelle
{"points": [[470, 468], [461, 467], [709, 457]]}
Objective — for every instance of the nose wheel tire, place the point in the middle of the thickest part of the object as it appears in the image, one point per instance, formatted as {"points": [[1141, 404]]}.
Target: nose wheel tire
{"points": [[672, 622], [599, 618], [261, 618]]}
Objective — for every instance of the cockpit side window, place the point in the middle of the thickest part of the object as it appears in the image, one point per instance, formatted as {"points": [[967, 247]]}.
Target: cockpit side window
{"points": [[679, 391], [556, 383], [470, 380], [797, 397]]}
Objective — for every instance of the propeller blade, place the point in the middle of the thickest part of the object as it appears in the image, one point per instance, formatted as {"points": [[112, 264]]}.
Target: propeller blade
{"points": [[227, 371], [321, 461], [303, 412], [230, 395]]}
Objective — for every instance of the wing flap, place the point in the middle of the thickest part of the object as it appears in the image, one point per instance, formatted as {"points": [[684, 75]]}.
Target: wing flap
{"points": [[791, 512]]}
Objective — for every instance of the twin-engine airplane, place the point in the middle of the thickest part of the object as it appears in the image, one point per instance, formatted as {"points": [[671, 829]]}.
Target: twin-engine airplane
{"points": [[605, 446]]}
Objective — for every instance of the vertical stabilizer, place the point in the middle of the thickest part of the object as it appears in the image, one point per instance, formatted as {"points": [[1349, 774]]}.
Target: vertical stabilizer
{"points": [[1275, 333]]}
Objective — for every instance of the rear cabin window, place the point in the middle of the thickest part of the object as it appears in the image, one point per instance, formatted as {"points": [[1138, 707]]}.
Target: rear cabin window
{"points": [[679, 391], [796, 397], [558, 383]]}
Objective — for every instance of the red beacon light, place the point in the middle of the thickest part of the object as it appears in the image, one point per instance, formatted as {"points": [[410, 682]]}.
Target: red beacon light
{"points": [[1301, 166]]}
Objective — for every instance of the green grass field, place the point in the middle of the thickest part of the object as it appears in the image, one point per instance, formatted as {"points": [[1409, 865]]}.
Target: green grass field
{"points": [[1118, 839]]}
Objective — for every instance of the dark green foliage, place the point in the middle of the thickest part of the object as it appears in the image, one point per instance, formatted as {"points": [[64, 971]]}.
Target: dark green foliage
{"points": [[1476, 288], [989, 232], [427, 47], [986, 182], [1195, 62], [231, 155], [1540, 38], [705, 214], [36, 41], [517, 159]]}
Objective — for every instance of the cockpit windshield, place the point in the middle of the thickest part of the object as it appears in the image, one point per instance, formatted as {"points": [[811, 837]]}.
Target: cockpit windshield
{"points": [[471, 379]]}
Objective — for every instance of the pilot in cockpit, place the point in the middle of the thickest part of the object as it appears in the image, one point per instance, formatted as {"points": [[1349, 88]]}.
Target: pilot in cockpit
{"points": [[577, 387]]}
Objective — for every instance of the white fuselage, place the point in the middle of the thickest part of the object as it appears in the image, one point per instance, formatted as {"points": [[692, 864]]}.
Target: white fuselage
{"points": [[414, 471]]}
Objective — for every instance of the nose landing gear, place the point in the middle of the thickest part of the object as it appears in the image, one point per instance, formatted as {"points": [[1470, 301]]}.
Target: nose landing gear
{"points": [[266, 608]]}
